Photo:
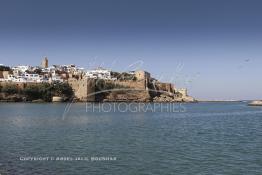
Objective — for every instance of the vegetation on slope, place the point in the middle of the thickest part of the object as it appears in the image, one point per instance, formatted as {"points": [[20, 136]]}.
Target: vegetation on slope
{"points": [[43, 91]]}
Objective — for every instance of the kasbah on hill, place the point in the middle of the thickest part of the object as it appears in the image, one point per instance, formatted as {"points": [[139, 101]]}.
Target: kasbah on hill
{"points": [[26, 83]]}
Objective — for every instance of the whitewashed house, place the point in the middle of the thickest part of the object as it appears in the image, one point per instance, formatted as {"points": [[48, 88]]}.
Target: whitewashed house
{"points": [[99, 73]]}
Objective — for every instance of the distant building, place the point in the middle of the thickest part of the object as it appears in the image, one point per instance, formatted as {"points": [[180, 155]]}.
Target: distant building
{"points": [[44, 63], [99, 73], [20, 69], [182, 91]]}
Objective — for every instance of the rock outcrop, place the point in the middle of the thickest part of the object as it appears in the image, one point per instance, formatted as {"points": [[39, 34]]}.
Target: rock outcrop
{"points": [[11, 98], [128, 96], [172, 98]]}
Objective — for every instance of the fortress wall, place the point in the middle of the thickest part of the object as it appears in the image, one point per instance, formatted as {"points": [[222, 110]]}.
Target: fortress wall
{"points": [[142, 75], [168, 87], [4, 74], [140, 84], [83, 88], [19, 85]]}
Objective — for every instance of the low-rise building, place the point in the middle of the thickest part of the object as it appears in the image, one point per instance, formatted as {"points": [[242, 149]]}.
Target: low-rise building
{"points": [[99, 73], [21, 69]]}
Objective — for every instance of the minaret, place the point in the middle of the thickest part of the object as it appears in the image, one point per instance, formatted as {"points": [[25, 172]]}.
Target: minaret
{"points": [[44, 63]]}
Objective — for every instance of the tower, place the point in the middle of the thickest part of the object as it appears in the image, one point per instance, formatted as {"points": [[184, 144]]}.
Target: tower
{"points": [[143, 76], [44, 63]]}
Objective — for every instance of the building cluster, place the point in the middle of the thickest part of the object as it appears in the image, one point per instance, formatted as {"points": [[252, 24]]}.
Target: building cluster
{"points": [[83, 82], [54, 73], [99, 73]]}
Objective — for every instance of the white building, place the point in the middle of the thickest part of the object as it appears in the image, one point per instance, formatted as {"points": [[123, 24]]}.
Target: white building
{"points": [[99, 73], [33, 77], [21, 69], [56, 78], [26, 78]]}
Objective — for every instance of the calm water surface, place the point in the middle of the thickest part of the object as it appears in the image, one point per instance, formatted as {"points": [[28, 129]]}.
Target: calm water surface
{"points": [[206, 138]]}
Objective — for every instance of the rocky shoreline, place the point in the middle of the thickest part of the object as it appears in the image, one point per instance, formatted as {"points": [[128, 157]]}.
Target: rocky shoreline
{"points": [[167, 98], [158, 99]]}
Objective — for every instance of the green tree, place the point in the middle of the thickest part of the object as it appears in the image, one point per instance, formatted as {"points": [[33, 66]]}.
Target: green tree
{"points": [[62, 89], [5, 68], [33, 92], [10, 89]]}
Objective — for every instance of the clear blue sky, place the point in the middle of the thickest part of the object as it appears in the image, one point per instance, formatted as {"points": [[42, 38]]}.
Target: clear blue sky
{"points": [[212, 47]]}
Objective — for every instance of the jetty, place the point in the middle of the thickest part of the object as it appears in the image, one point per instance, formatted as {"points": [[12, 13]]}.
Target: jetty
{"points": [[255, 103]]}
